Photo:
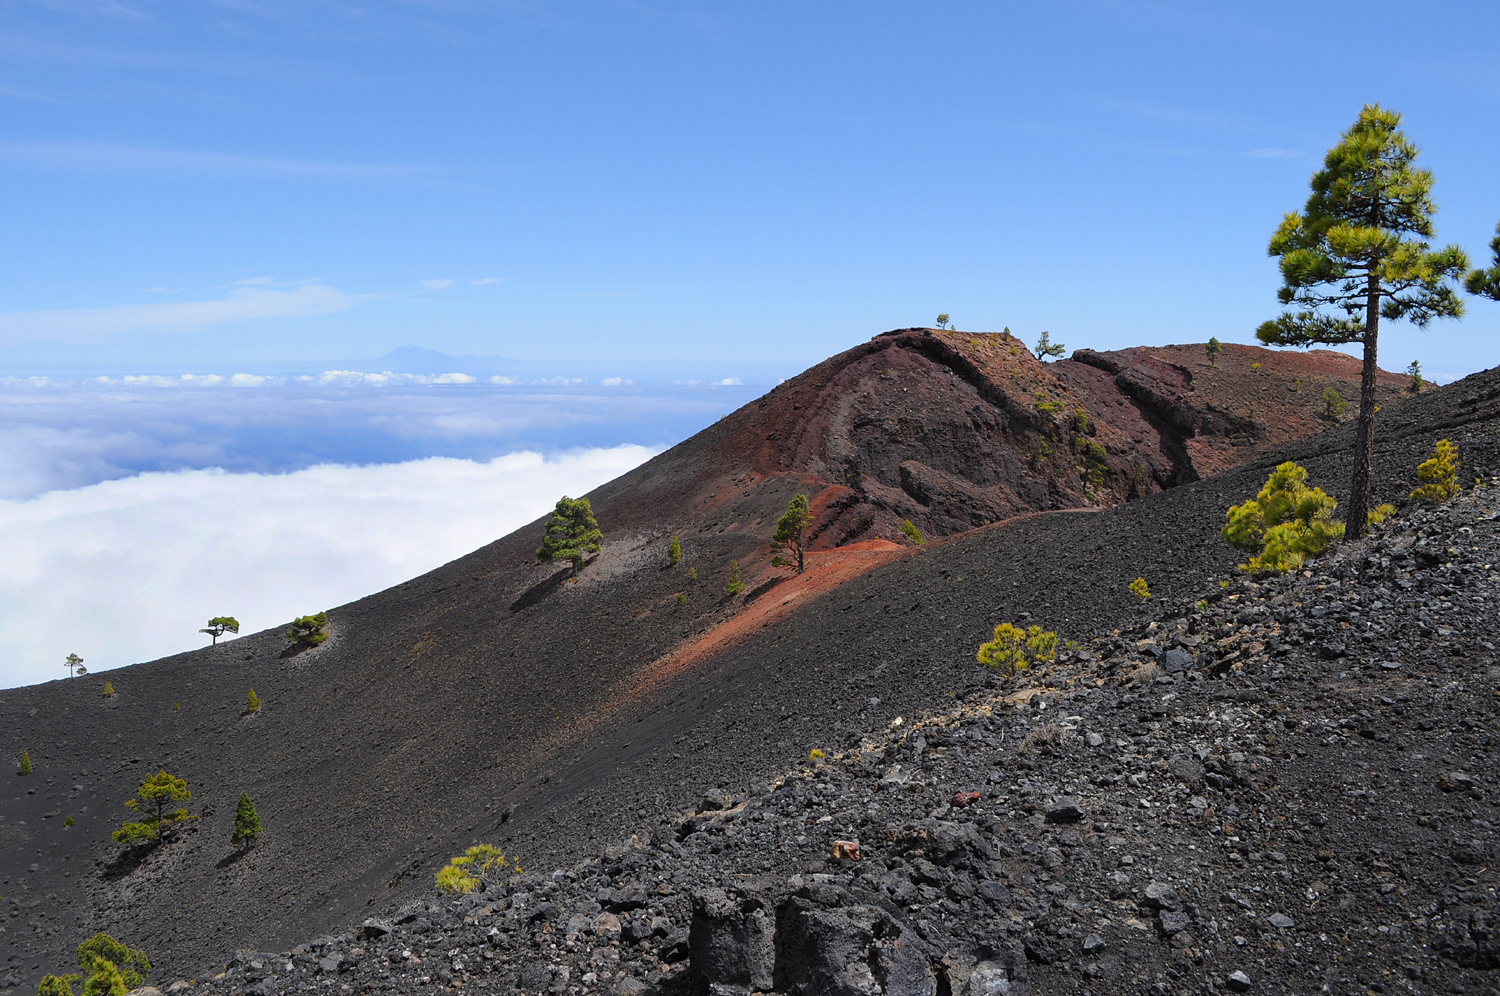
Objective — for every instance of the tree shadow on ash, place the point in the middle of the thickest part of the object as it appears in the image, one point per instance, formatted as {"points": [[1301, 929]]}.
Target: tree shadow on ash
{"points": [[128, 861], [541, 590], [760, 590], [232, 858]]}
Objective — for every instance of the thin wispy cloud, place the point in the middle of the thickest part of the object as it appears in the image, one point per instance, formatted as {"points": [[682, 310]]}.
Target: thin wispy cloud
{"points": [[441, 283], [111, 158], [1274, 154], [487, 280], [243, 303]]}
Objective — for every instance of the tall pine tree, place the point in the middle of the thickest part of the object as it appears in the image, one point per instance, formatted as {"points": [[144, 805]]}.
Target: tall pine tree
{"points": [[1357, 253], [572, 533], [1486, 283]]}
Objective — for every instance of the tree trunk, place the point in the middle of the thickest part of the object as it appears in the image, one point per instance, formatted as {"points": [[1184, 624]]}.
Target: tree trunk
{"points": [[1355, 519]]}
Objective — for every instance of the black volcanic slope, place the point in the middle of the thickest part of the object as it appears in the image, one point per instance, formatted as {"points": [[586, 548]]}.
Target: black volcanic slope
{"points": [[491, 700]]}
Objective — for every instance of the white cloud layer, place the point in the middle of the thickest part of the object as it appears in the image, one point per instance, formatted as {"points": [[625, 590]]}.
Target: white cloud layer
{"points": [[129, 570], [246, 301]]}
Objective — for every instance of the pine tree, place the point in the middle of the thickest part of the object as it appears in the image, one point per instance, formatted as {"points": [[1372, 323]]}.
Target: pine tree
{"points": [[789, 531], [1045, 347], [152, 799], [1486, 283], [219, 625], [246, 822], [1358, 252], [109, 689], [127, 965], [71, 662], [26, 768], [308, 631], [572, 533], [1213, 348], [252, 702], [674, 552]]}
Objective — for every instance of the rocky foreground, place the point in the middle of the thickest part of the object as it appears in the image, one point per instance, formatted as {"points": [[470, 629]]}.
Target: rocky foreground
{"points": [[1284, 788]]}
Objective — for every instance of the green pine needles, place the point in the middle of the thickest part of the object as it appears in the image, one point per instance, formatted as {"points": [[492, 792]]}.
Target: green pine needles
{"points": [[1486, 283], [674, 553], [1014, 649], [572, 533], [252, 702], [109, 689], [1213, 348], [479, 865], [114, 968], [219, 625], [25, 766], [788, 535], [153, 800], [735, 585], [1284, 524], [246, 823], [911, 532], [1438, 474], [309, 631], [1359, 252]]}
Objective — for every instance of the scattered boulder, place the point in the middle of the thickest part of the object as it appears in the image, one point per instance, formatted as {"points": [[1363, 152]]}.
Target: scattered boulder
{"points": [[853, 950], [732, 939]]}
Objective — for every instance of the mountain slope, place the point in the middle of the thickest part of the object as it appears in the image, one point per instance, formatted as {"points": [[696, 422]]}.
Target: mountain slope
{"points": [[496, 699]]}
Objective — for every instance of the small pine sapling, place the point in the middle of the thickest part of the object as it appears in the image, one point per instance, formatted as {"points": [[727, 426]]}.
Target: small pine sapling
{"points": [[682, 598], [68, 822], [25, 766], [735, 585], [674, 553], [911, 532], [1438, 474], [1213, 348], [246, 823], [219, 625], [1045, 347], [572, 533], [1381, 512], [1140, 589], [109, 689], [1415, 383], [788, 535], [1284, 524], [126, 964], [308, 631], [71, 662], [1014, 649], [692, 573], [815, 755], [252, 702], [478, 866], [1334, 405]]}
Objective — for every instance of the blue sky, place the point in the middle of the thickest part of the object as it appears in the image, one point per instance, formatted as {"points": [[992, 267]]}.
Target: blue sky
{"points": [[704, 190]]}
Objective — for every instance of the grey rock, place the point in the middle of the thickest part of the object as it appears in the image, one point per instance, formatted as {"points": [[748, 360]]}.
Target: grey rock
{"points": [[998, 977], [1094, 739], [1092, 943], [626, 898], [713, 800], [1173, 922], [993, 892], [849, 951], [732, 939], [376, 928], [1064, 810], [331, 963], [1187, 769], [1282, 922], [1238, 981], [1175, 660], [629, 986], [1161, 897]]}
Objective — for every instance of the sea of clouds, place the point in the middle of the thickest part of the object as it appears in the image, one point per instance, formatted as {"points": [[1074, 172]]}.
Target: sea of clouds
{"points": [[132, 511]]}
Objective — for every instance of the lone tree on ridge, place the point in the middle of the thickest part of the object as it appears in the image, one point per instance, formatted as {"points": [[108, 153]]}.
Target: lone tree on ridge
{"points": [[572, 533], [72, 662], [219, 625], [789, 531], [1360, 247], [1045, 347]]}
